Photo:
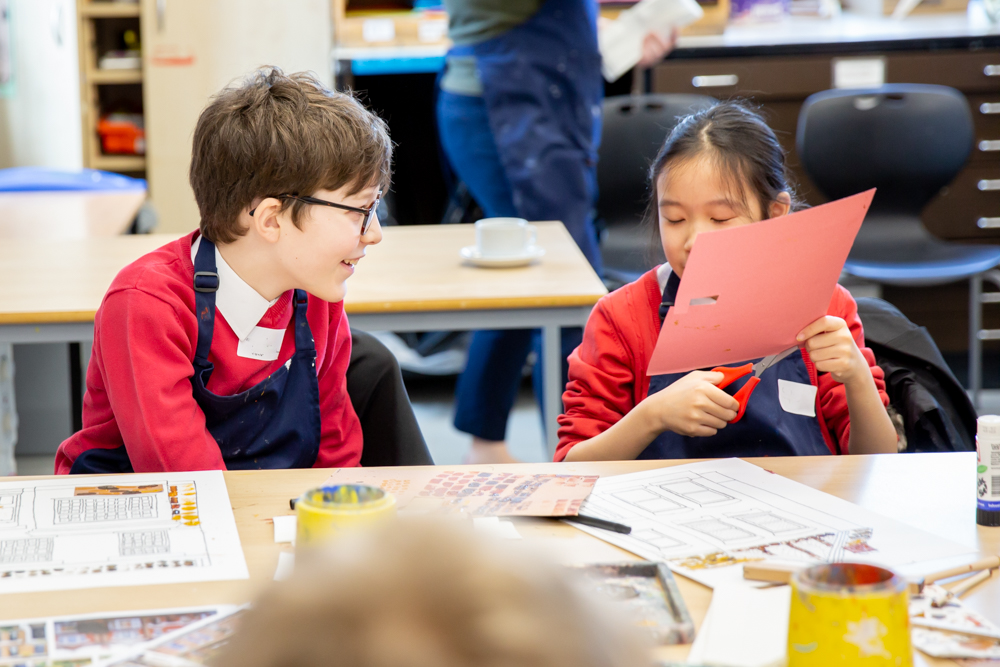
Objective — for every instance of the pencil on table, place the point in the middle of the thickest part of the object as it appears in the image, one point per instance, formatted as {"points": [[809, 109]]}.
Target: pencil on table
{"points": [[964, 586], [989, 563]]}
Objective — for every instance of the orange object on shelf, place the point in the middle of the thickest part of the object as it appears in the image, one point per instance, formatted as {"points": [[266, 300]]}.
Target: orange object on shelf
{"points": [[122, 133]]}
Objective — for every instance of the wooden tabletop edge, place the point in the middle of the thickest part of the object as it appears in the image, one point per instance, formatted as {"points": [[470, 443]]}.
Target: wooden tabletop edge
{"points": [[504, 303], [48, 317]]}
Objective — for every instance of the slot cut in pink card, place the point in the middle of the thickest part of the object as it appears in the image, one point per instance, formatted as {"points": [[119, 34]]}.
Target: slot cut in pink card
{"points": [[748, 291]]}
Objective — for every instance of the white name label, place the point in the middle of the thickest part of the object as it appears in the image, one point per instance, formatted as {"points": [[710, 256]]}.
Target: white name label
{"points": [[858, 72], [263, 344], [797, 398]]}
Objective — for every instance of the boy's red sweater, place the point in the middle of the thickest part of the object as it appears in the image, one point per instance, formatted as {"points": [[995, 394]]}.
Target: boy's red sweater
{"points": [[139, 379], [607, 372]]}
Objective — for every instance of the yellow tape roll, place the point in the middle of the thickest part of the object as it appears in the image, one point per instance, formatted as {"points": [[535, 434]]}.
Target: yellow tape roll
{"points": [[326, 512], [849, 614]]}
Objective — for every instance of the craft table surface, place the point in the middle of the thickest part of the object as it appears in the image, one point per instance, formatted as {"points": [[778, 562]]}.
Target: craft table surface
{"points": [[67, 215], [413, 269], [935, 492]]}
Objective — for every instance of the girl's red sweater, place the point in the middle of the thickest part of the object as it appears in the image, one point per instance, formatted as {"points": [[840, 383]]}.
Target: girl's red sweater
{"points": [[607, 372]]}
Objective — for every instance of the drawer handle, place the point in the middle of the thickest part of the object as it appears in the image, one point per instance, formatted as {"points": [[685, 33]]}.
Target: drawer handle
{"points": [[988, 146], [989, 184], [988, 223], [715, 81], [989, 108], [992, 70]]}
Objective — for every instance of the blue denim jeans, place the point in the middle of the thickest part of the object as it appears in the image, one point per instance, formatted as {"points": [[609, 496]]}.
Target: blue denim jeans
{"points": [[488, 386]]}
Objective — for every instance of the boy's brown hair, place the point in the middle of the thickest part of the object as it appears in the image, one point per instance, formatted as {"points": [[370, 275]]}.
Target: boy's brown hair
{"points": [[281, 134], [421, 594]]}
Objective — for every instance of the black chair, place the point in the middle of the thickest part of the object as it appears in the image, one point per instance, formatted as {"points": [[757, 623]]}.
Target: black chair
{"points": [[635, 127], [378, 395], [936, 412], [909, 141]]}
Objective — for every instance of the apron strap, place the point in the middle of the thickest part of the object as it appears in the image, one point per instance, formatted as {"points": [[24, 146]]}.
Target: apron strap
{"points": [[669, 295], [206, 283], [303, 334]]}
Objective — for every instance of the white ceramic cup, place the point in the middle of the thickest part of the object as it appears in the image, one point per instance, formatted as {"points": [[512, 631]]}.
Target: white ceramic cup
{"points": [[504, 237]]}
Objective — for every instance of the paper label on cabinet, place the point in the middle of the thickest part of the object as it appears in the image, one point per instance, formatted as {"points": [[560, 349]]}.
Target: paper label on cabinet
{"points": [[432, 30], [797, 398], [378, 30], [858, 72]]}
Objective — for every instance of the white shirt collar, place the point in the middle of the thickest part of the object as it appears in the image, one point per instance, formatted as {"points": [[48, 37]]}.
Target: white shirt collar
{"points": [[241, 305], [662, 274]]}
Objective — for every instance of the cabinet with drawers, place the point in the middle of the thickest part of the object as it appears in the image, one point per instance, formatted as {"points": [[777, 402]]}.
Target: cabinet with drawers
{"points": [[968, 209]]}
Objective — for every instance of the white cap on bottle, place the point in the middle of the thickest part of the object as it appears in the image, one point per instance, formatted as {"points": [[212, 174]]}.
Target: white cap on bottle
{"points": [[988, 426]]}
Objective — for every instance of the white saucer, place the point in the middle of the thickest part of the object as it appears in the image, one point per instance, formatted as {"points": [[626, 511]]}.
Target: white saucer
{"points": [[472, 255]]}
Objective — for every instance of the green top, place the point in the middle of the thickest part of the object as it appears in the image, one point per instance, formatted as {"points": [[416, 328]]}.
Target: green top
{"points": [[473, 21]]}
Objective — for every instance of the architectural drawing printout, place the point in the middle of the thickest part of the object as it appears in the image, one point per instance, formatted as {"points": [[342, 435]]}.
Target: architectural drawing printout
{"points": [[706, 519], [82, 532], [79, 641], [475, 491], [196, 645]]}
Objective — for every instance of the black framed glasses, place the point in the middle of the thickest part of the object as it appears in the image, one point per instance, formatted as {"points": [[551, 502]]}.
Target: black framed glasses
{"points": [[368, 212]]}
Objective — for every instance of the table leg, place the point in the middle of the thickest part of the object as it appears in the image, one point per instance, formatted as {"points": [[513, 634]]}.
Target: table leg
{"points": [[552, 384], [76, 386]]}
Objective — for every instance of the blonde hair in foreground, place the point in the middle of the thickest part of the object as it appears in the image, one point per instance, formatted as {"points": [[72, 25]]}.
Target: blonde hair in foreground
{"points": [[426, 595]]}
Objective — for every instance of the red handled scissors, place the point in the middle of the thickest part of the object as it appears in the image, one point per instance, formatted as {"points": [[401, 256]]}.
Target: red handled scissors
{"points": [[734, 373]]}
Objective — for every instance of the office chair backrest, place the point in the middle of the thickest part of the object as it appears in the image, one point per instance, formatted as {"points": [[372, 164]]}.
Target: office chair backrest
{"points": [[907, 140], [635, 127]]}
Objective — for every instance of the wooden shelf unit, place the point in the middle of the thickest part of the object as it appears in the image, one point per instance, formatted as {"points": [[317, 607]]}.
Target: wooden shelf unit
{"points": [[96, 19], [112, 76], [106, 9], [126, 163]]}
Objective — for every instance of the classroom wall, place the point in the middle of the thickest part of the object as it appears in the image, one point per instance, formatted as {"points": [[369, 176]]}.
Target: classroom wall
{"points": [[40, 109], [200, 47], [40, 126]]}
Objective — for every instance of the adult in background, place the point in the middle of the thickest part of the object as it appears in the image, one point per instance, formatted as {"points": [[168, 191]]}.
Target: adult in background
{"points": [[519, 115]]}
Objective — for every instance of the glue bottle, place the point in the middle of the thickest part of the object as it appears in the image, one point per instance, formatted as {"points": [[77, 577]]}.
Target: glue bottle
{"points": [[988, 471]]}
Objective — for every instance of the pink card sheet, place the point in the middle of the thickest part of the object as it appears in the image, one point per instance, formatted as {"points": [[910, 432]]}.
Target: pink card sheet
{"points": [[769, 280]]}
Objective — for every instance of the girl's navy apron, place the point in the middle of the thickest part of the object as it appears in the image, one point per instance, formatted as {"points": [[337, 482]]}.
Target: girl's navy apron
{"points": [[542, 87], [275, 424], [765, 430]]}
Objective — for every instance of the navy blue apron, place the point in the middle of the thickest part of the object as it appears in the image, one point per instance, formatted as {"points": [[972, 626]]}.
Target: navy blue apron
{"points": [[275, 424], [765, 430], [542, 87]]}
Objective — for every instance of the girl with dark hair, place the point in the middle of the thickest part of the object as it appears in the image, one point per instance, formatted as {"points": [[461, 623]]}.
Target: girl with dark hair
{"points": [[721, 167]]}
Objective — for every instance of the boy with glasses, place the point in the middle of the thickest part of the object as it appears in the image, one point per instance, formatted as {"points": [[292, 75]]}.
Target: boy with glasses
{"points": [[229, 348]]}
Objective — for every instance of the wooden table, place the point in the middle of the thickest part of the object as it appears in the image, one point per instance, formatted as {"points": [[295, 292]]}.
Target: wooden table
{"points": [[935, 492], [413, 281], [67, 215]]}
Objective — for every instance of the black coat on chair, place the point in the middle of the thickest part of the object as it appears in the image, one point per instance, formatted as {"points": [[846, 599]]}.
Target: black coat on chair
{"points": [[937, 413]]}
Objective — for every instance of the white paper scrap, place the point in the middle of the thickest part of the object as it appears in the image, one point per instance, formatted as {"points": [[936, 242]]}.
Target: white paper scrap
{"points": [[748, 628], [285, 528], [286, 563], [620, 42], [706, 519], [155, 528], [493, 526], [939, 644], [952, 616]]}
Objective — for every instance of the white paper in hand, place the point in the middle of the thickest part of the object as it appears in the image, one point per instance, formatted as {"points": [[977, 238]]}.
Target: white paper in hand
{"points": [[620, 42]]}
